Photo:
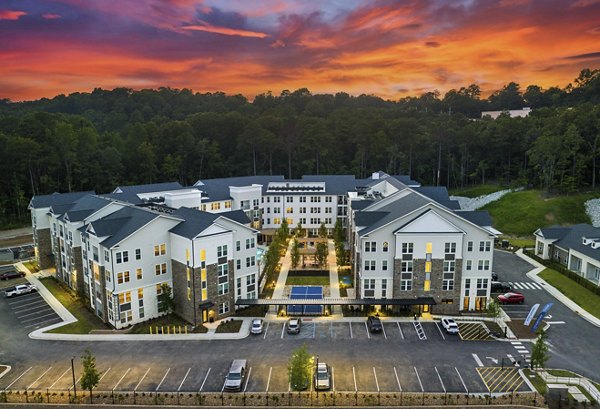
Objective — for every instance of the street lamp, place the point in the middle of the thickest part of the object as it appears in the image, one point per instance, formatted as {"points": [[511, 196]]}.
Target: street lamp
{"points": [[73, 372], [317, 377]]}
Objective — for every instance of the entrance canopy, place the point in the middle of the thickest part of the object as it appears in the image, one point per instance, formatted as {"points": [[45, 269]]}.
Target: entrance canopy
{"points": [[339, 301]]}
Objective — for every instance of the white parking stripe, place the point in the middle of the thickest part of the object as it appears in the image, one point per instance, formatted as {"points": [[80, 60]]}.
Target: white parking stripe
{"points": [[282, 330], [41, 316], [39, 377], [141, 380], [354, 376], [76, 382], [269, 379], [367, 329], [103, 375], [248, 379], [124, 375], [419, 378], [20, 376], [184, 378], [376, 381], [24, 298], [440, 378], [59, 378], [266, 330], [441, 333], [479, 363], [22, 306], [204, 381], [41, 307], [350, 325], [461, 379], [332, 380], [397, 380], [163, 379], [400, 329], [38, 324], [383, 329]]}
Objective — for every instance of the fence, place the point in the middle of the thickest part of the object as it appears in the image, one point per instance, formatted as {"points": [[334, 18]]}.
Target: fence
{"points": [[565, 271], [307, 399], [584, 383]]}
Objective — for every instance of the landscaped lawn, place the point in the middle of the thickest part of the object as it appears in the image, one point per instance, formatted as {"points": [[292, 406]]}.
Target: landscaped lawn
{"points": [[86, 320], [477, 191], [580, 295], [160, 324], [521, 213], [229, 327], [307, 280], [32, 266]]}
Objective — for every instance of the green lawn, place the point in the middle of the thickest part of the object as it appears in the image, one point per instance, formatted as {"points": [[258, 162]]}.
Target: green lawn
{"points": [[86, 320], [521, 213], [580, 295], [307, 280], [562, 373], [32, 266], [536, 380], [229, 327], [160, 324], [476, 191]]}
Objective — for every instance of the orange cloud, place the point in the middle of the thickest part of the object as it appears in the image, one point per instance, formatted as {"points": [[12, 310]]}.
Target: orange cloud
{"points": [[224, 30], [11, 14]]}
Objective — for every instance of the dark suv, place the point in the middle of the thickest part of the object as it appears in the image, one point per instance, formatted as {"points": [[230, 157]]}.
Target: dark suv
{"points": [[11, 274], [374, 324], [498, 287]]}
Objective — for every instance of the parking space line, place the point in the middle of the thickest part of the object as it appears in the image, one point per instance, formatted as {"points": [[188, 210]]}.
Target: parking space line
{"points": [[383, 328], [141, 380], [266, 330], [247, 379], [331, 331], [367, 329], [332, 379], [419, 378], [39, 377], [462, 381], [163, 379], [479, 363], [59, 378], [31, 313], [282, 330], [20, 376], [124, 375], [223, 387], [314, 327], [204, 381], [43, 322], [103, 375], [269, 378], [42, 316], [400, 329], [441, 333], [184, 378], [23, 298], [440, 378], [354, 376], [513, 379], [397, 380], [512, 385], [376, 381], [21, 306], [350, 325], [76, 382]]}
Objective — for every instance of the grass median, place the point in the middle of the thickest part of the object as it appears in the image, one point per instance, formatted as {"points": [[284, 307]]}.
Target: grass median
{"points": [[86, 320], [583, 297], [307, 280]]}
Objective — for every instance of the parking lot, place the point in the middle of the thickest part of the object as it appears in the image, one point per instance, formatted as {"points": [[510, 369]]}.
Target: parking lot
{"points": [[265, 377], [30, 311]]}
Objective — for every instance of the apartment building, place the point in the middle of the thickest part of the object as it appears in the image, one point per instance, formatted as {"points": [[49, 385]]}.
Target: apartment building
{"points": [[576, 247]]}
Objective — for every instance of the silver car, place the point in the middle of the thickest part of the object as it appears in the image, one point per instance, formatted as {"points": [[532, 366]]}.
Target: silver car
{"points": [[293, 326], [257, 326], [236, 375]]}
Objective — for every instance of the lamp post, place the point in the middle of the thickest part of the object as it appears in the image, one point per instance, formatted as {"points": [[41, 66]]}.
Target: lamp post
{"points": [[317, 377], [73, 372]]}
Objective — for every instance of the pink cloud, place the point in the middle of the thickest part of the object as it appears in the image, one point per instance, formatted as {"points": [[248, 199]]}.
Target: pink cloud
{"points": [[51, 16], [224, 30], [11, 14]]}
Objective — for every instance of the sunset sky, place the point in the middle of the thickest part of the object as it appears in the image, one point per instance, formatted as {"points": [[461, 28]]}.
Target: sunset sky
{"points": [[387, 48]]}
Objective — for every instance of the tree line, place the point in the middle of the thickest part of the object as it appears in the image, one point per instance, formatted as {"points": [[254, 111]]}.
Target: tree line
{"points": [[102, 139]]}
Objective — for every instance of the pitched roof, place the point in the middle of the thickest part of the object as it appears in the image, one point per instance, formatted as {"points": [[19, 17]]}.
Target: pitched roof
{"points": [[368, 218], [121, 224], [196, 221], [573, 239], [334, 184], [406, 180], [84, 207], [361, 204], [237, 216], [554, 232], [218, 189], [439, 194], [396, 210], [149, 188], [38, 202], [479, 217]]}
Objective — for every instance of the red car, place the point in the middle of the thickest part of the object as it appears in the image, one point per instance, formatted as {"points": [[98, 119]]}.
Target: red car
{"points": [[511, 298]]}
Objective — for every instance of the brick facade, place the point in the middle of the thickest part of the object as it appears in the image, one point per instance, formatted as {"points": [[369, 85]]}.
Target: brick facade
{"points": [[43, 241], [186, 309], [212, 282]]}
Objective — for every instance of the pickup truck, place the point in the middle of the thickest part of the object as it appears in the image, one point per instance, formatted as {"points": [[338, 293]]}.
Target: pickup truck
{"points": [[19, 290]]}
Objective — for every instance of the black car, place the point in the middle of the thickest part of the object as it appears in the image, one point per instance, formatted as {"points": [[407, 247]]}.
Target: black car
{"points": [[498, 287], [374, 324], [494, 276], [11, 274]]}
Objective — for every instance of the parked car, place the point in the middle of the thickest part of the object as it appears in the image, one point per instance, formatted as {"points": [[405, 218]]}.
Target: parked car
{"points": [[499, 287], [19, 290], [322, 376], [511, 298], [11, 274], [374, 324], [293, 326], [257, 326], [494, 276], [236, 375], [449, 325]]}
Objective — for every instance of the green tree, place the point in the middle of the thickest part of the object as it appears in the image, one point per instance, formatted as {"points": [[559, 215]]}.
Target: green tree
{"points": [[165, 299], [91, 375], [300, 368], [539, 352], [340, 254], [338, 232], [295, 254], [321, 253], [284, 231], [493, 310], [300, 231], [323, 231]]}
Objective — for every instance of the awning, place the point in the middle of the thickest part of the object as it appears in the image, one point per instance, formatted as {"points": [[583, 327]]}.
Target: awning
{"points": [[206, 305], [340, 301]]}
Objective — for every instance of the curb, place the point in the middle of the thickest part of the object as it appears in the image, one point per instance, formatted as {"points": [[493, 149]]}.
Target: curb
{"points": [[7, 370]]}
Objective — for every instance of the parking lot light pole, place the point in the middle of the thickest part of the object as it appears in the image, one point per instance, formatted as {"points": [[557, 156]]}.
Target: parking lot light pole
{"points": [[73, 372], [317, 378]]}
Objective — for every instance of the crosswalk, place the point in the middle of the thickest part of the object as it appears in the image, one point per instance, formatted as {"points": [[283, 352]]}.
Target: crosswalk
{"points": [[525, 285], [522, 350]]}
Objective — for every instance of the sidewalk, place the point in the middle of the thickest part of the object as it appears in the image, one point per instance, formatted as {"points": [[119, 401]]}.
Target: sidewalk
{"points": [[575, 392], [570, 304]]}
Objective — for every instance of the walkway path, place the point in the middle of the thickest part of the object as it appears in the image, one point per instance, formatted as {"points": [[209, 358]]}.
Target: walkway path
{"points": [[286, 263]]}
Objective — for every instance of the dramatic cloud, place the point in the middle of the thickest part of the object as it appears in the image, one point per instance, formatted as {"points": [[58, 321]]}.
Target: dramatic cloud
{"points": [[381, 47]]}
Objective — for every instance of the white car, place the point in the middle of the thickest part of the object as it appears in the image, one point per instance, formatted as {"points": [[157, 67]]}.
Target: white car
{"points": [[322, 376], [450, 325], [19, 290], [257, 326]]}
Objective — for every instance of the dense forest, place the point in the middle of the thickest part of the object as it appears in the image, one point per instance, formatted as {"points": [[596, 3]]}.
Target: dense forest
{"points": [[105, 138]]}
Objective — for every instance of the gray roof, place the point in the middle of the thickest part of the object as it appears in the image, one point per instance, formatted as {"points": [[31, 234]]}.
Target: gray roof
{"points": [[38, 202], [395, 210], [573, 239], [196, 221], [334, 184], [218, 189], [361, 204], [479, 217], [554, 232], [149, 188], [406, 180], [121, 224], [84, 207], [439, 194], [368, 218]]}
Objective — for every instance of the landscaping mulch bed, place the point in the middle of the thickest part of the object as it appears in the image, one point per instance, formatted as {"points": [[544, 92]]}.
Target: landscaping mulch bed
{"points": [[520, 330], [231, 326]]}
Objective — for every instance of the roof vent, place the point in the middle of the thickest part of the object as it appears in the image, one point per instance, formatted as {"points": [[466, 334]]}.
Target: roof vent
{"points": [[595, 244]]}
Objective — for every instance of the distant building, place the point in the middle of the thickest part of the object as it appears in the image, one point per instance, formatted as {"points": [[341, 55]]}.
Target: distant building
{"points": [[513, 113], [577, 248]]}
